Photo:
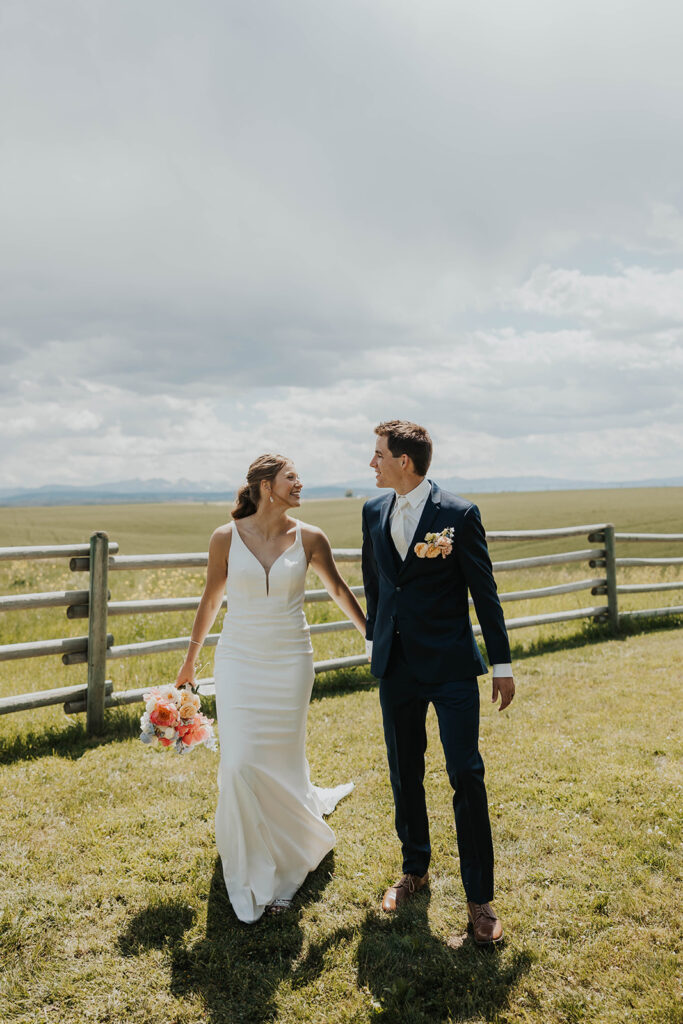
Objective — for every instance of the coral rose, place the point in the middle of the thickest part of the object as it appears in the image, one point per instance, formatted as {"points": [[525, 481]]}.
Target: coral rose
{"points": [[193, 732], [433, 551], [165, 714], [420, 550]]}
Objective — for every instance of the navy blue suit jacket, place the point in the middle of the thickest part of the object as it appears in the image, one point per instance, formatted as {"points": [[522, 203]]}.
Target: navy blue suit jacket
{"points": [[425, 599]]}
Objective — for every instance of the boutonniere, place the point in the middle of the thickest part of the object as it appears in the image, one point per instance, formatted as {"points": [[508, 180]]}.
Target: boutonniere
{"points": [[436, 544]]}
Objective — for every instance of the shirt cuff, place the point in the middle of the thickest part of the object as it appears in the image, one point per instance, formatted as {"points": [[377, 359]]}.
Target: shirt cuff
{"points": [[368, 649], [500, 670]]}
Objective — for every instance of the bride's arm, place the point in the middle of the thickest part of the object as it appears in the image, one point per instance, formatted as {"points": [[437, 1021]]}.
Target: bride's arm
{"points": [[324, 564], [216, 575]]}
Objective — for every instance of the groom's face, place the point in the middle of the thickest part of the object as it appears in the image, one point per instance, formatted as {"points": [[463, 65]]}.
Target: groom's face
{"points": [[388, 468]]}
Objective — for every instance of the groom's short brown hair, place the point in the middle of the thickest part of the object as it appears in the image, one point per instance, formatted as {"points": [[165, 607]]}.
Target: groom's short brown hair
{"points": [[406, 438]]}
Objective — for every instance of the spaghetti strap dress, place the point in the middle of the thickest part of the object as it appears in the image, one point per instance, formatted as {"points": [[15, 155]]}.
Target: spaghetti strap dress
{"points": [[270, 829]]}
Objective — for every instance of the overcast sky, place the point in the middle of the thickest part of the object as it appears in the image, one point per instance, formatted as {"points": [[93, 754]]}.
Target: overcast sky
{"points": [[231, 226]]}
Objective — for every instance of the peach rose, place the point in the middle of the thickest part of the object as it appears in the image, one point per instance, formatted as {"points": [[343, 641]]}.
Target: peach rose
{"points": [[433, 551], [420, 550], [187, 710]]}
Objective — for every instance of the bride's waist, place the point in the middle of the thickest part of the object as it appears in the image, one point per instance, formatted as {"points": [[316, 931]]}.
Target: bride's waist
{"points": [[269, 624], [266, 639]]}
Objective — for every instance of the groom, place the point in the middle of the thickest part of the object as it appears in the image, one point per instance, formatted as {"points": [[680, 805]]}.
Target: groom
{"points": [[423, 549]]}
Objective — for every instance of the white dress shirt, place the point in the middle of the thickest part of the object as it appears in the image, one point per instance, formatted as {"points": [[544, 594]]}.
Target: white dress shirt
{"points": [[405, 515]]}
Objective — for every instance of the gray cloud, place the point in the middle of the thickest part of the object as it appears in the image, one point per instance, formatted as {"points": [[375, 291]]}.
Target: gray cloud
{"points": [[217, 203]]}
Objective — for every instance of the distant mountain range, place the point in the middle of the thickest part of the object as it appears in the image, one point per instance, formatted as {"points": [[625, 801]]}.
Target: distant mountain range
{"points": [[123, 491]]}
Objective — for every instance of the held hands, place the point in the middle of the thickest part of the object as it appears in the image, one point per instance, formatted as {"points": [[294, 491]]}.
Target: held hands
{"points": [[505, 686]]}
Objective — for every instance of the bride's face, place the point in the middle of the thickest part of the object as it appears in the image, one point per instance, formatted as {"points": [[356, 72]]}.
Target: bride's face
{"points": [[286, 487]]}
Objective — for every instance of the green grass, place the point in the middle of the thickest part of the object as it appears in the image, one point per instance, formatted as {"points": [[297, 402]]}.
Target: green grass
{"points": [[112, 907]]}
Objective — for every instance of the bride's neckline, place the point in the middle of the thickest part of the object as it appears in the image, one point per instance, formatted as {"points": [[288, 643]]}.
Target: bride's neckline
{"points": [[253, 554]]}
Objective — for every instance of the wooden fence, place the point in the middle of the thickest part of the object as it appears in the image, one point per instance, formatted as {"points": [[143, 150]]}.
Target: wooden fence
{"points": [[100, 557]]}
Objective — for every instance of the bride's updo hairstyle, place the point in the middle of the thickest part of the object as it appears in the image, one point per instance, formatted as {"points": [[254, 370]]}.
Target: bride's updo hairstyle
{"points": [[266, 467]]}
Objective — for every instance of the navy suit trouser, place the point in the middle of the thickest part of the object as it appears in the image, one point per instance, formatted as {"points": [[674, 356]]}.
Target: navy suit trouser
{"points": [[405, 701]]}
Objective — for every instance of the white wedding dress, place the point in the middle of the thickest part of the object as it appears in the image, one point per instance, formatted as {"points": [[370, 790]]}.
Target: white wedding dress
{"points": [[270, 830]]}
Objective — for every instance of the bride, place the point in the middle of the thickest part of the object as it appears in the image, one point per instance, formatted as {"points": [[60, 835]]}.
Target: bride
{"points": [[270, 830]]}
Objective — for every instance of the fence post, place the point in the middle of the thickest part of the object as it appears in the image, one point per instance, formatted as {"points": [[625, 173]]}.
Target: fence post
{"points": [[97, 632], [611, 574]]}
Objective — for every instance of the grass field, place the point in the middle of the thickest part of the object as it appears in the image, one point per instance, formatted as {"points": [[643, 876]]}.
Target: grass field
{"points": [[112, 907], [187, 527]]}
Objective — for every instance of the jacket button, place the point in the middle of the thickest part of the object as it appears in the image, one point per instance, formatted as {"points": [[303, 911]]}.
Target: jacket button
{"points": [[397, 589]]}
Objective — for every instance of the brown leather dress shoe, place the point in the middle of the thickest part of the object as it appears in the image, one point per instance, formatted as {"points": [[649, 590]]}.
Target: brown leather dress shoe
{"points": [[403, 890], [485, 924]]}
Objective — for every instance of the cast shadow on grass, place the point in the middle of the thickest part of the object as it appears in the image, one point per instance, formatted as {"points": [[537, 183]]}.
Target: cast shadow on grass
{"points": [[594, 633], [69, 740], [158, 926], [236, 968], [415, 976]]}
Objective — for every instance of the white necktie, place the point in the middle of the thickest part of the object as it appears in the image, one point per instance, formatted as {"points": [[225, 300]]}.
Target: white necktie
{"points": [[398, 526]]}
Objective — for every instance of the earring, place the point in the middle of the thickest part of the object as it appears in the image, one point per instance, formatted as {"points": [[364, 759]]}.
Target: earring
{"points": [[271, 498]]}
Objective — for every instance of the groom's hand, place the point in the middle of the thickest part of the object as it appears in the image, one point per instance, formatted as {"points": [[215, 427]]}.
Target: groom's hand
{"points": [[505, 686]]}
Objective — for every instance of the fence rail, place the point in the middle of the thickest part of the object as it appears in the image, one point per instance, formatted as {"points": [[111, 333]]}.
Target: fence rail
{"points": [[649, 561], [52, 599], [51, 551], [99, 558]]}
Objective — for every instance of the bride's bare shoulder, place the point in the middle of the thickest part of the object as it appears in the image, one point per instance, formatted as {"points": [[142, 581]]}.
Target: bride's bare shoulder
{"points": [[315, 541], [223, 531], [309, 531], [221, 536]]}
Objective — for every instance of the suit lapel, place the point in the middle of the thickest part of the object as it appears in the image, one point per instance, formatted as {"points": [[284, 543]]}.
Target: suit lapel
{"points": [[387, 545], [429, 514]]}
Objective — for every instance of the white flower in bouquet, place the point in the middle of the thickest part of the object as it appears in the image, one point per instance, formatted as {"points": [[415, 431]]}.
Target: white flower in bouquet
{"points": [[145, 722]]}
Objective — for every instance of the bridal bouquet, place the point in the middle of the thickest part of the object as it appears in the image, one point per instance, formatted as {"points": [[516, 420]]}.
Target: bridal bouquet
{"points": [[172, 716]]}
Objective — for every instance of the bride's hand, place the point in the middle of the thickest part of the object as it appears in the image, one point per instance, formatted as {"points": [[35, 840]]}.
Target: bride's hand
{"points": [[186, 675]]}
